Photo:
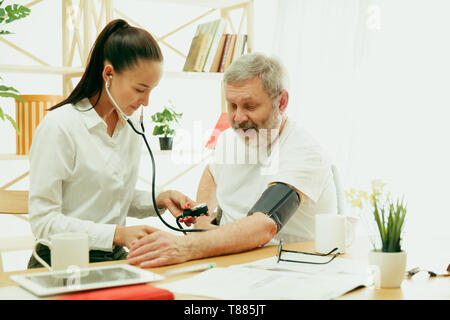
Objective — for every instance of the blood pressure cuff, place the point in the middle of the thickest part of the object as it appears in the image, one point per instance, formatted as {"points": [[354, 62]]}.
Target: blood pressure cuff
{"points": [[279, 202]]}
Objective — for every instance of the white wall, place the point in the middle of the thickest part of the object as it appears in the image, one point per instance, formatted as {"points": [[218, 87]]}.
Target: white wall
{"points": [[370, 80]]}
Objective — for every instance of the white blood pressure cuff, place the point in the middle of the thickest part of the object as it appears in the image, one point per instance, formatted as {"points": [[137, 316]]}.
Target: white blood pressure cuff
{"points": [[279, 202]]}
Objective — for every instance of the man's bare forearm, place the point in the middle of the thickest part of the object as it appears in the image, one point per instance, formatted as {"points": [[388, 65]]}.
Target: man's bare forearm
{"points": [[162, 248], [244, 234]]}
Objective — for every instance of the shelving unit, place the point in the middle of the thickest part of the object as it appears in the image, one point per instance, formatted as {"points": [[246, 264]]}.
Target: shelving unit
{"points": [[14, 68], [80, 27], [91, 20]]}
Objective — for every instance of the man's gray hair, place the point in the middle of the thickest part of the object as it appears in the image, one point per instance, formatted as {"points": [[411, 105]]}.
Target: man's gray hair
{"points": [[269, 69]]}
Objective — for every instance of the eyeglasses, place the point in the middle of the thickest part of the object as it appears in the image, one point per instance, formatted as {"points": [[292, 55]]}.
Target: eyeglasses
{"points": [[413, 271], [281, 250]]}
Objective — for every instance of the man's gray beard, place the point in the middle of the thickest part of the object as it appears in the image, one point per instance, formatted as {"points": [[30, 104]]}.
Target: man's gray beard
{"points": [[259, 142], [265, 136]]}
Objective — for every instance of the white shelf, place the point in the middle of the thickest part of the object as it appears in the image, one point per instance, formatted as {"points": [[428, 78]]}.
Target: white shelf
{"points": [[79, 70], [12, 68], [204, 3], [193, 75], [5, 156]]}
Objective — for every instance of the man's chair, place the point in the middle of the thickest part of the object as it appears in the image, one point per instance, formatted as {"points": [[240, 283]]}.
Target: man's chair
{"points": [[340, 198], [15, 203]]}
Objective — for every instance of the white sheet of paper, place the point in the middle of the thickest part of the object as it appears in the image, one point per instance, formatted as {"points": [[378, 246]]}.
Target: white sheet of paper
{"points": [[255, 281], [338, 265]]}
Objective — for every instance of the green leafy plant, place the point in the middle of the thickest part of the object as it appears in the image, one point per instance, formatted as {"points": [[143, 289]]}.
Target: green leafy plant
{"points": [[12, 13], [165, 120], [388, 214], [9, 14], [9, 92]]}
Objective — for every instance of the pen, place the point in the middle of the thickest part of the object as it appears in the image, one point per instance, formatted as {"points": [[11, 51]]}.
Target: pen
{"points": [[197, 267]]}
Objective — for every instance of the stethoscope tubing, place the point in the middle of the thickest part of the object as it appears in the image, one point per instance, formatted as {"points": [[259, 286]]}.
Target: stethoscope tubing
{"points": [[142, 134], [154, 178]]}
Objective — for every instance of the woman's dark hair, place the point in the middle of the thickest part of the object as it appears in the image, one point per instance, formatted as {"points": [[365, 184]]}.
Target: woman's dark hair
{"points": [[122, 45]]}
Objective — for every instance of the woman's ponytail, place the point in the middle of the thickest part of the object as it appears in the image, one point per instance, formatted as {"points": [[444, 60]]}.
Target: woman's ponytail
{"points": [[122, 45]]}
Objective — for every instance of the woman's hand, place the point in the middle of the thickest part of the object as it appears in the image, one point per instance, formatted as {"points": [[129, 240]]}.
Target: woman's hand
{"points": [[126, 236], [175, 201]]}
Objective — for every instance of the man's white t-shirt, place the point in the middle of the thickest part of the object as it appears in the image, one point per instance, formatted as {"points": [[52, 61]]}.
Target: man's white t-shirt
{"points": [[295, 159]]}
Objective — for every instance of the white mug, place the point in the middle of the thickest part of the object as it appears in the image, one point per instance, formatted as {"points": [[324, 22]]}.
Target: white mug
{"points": [[333, 231], [67, 250]]}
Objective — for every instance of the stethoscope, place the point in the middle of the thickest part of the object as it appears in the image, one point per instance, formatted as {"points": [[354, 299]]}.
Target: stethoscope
{"points": [[142, 134]]}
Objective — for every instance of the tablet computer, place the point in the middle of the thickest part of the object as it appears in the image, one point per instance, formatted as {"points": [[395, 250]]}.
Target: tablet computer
{"points": [[59, 282]]}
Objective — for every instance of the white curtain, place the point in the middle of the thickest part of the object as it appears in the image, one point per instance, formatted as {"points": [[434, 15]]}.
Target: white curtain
{"points": [[323, 44], [371, 80]]}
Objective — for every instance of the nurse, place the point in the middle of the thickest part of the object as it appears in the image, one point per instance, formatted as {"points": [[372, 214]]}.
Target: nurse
{"points": [[84, 159]]}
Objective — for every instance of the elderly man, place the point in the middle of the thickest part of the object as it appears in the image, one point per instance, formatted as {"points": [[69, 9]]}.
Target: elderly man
{"points": [[271, 196]]}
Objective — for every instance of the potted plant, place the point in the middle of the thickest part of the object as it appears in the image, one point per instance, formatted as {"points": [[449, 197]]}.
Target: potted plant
{"points": [[9, 92], [388, 216], [164, 121], [9, 14]]}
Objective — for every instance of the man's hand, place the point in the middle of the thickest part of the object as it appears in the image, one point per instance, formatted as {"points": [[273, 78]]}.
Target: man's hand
{"points": [[159, 248], [125, 236]]}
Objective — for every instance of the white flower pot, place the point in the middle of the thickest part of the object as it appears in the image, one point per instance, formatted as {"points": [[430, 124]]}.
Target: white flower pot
{"points": [[388, 267]]}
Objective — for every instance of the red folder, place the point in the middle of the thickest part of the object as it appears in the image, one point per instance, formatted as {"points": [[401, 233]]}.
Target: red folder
{"points": [[134, 292], [221, 125]]}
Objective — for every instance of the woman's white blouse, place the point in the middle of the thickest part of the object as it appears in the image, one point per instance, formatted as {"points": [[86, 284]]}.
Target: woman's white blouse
{"points": [[83, 180]]}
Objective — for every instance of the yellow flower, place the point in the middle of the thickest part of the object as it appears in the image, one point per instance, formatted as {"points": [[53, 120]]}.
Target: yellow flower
{"points": [[357, 203], [350, 194], [362, 194], [377, 185], [373, 198]]}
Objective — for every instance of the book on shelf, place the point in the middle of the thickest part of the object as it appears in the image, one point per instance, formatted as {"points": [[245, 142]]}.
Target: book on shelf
{"points": [[241, 42], [204, 46], [202, 52], [213, 50], [228, 58], [225, 50], [219, 28], [194, 56], [218, 55], [234, 47]]}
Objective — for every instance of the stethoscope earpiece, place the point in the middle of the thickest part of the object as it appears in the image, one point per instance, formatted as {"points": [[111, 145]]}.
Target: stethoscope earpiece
{"points": [[107, 82]]}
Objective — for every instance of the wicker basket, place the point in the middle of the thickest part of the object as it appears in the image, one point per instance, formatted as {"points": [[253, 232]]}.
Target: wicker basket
{"points": [[28, 116]]}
